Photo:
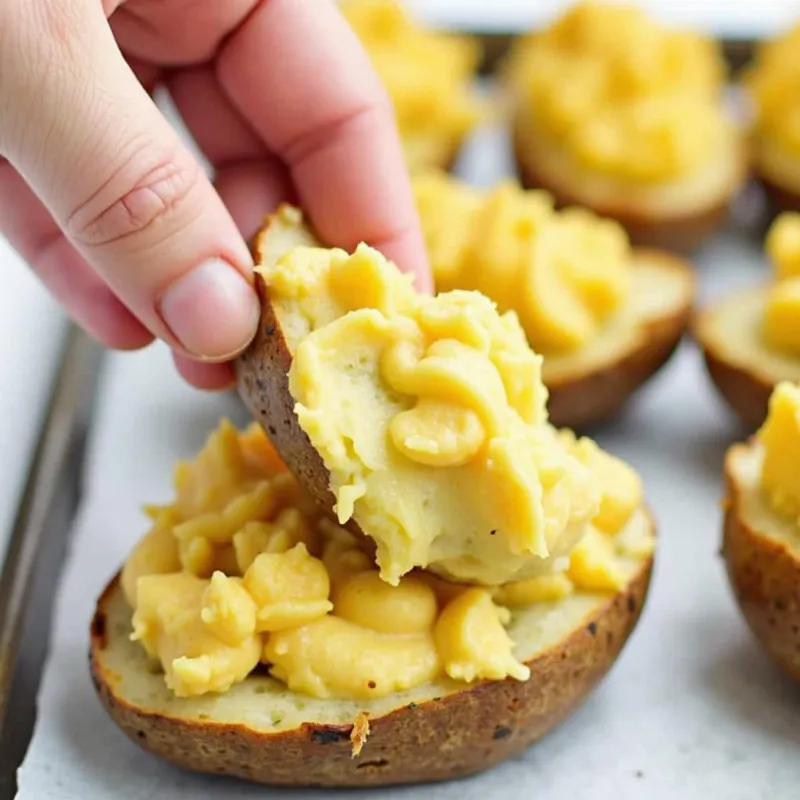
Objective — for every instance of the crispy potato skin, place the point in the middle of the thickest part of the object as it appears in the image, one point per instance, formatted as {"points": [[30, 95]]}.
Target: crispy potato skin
{"points": [[678, 234], [744, 390], [575, 402], [262, 373], [446, 738], [765, 578]]}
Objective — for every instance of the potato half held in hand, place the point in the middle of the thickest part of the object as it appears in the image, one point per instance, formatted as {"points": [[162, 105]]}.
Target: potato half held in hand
{"points": [[592, 384], [761, 546], [261, 731]]}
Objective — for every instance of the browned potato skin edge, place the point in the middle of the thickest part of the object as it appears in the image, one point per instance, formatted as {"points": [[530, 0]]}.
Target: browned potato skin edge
{"points": [[677, 234], [455, 736], [578, 401], [745, 391], [765, 578], [262, 373]]}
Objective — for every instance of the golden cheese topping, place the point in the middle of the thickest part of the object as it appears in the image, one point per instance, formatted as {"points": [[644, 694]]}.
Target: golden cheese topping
{"points": [[427, 75], [565, 274], [780, 437], [429, 414], [781, 326], [301, 598], [773, 82], [625, 96]]}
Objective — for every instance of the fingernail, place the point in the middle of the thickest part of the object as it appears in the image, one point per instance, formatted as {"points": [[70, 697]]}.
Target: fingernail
{"points": [[212, 311]]}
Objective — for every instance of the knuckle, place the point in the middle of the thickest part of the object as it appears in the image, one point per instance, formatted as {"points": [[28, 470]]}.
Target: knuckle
{"points": [[147, 197]]}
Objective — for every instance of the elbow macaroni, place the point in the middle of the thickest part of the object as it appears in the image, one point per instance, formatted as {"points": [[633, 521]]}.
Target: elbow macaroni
{"points": [[298, 595]]}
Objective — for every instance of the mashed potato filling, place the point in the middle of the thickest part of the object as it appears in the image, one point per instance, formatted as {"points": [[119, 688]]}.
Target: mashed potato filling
{"points": [[292, 592], [429, 414], [565, 274], [623, 95], [781, 326], [427, 74]]}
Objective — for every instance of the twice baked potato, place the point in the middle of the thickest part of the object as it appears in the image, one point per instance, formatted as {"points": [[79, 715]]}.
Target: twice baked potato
{"points": [[249, 634], [260, 731], [751, 337], [649, 221], [594, 383], [619, 113], [743, 369], [761, 549]]}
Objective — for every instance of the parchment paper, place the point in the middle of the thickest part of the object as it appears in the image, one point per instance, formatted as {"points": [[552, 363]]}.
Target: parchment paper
{"points": [[693, 709]]}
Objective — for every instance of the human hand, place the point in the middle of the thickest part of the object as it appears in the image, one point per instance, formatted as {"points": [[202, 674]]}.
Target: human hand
{"points": [[113, 212]]}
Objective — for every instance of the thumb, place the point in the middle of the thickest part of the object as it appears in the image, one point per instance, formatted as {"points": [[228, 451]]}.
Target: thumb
{"points": [[122, 186]]}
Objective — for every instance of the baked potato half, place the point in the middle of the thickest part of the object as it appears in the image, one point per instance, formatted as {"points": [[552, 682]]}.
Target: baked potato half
{"points": [[741, 367], [262, 732], [672, 228], [762, 557], [593, 383]]}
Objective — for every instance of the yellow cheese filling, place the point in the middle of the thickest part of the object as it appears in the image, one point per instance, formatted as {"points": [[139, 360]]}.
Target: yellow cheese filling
{"points": [[780, 437], [429, 415], [623, 95], [427, 74], [781, 324], [565, 274], [773, 83], [298, 597]]}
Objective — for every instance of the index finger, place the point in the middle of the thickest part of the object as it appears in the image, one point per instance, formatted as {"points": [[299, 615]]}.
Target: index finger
{"points": [[298, 73]]}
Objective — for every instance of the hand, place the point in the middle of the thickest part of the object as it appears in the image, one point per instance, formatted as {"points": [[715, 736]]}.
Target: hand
{"points": [[114, 213]]}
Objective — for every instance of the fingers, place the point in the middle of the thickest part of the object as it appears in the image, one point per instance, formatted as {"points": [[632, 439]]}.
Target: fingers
{"points": [[124, 189], [335, 128], [219, 130], [209, 377], [34, 235], [250, 180]]}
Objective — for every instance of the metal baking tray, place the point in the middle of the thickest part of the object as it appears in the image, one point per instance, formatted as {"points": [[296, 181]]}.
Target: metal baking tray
{"points": [[40, 537], [38, 546]]}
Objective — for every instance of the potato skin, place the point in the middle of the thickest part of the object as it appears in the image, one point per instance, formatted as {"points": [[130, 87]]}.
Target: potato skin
{"points": [[446, 738], [262, 374], [600, 395], [765, 578], [681, 234], [744, 391]]}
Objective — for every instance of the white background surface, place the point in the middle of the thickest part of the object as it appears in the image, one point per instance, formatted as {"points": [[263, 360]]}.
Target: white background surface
{"points": [[692, 710]]}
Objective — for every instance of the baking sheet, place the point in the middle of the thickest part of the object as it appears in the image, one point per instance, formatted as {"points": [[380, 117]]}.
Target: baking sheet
{"points": [[32, 329], [692, 709]]}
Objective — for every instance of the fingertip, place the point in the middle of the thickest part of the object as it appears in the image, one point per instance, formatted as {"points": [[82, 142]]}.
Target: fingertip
{"points": [[203, 376], [108, 321], [211, 311]]}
